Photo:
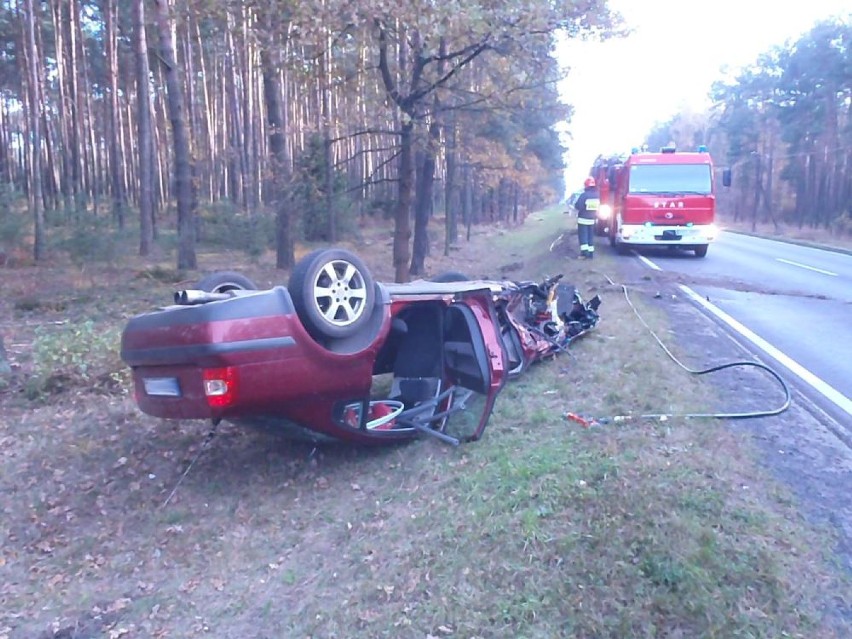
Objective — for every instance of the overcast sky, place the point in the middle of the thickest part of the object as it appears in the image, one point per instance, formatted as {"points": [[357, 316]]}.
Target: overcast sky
{"points": [[621, 88]]}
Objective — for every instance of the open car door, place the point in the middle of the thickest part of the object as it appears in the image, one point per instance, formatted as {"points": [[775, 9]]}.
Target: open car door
{"points": [[448, 364], [474, 357]]}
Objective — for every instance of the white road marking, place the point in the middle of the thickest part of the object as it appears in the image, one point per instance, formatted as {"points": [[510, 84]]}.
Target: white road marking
{"points": [[810, 268], [648, 262], [827, 391]]}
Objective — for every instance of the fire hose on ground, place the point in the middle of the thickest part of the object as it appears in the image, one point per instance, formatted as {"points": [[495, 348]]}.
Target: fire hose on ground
{"points": [[587, 421]]}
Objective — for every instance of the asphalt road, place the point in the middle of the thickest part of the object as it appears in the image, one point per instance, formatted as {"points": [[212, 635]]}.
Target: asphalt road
{"points": [[795, 302]]}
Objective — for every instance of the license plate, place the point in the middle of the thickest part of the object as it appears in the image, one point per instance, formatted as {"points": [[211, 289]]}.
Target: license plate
{"points": [[162, 386], [671, 235]]}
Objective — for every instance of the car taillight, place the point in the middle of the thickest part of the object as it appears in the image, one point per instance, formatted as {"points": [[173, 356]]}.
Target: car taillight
{"points": [[220, 386]]}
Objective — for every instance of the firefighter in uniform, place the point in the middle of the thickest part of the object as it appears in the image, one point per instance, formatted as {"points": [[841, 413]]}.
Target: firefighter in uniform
{"points": [[587, 210]]}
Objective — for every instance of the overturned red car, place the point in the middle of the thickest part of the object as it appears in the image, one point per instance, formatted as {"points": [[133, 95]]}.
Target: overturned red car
{"points": [[336, 355]]}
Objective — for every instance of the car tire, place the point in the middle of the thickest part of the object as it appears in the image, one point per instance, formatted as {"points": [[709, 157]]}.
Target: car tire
{"points": [[450, 276], [701, 251], [333, 293], [224, 281]]}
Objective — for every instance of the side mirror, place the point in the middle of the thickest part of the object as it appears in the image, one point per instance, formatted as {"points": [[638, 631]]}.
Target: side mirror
{"points": [[726, 177]]}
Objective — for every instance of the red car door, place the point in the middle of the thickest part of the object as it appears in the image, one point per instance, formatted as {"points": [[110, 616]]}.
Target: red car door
{"points": [[474, 356]]}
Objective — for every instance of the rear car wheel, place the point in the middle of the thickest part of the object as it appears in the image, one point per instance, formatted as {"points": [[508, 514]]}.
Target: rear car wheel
{"points": [[224, 281], [333, 293], [701, 251]]}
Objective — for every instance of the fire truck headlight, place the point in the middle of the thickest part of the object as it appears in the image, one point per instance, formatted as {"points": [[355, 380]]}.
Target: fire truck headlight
{"points": [[605, 211]]}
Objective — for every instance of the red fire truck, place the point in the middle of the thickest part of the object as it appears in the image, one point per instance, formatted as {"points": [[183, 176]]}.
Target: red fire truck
{"points": [[658, 199]]}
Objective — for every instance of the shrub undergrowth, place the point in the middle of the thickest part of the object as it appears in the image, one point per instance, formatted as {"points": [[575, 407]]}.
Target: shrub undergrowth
{"points": [[76, 355]]}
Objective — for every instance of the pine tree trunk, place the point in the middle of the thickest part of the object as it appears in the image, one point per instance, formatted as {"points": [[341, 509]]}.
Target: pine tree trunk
{"points": [[116, 169], [75, 115], [143, 124], [39, 244], [4, 158], [232, 122], [206, 149], [328, 169], [62, 106], [423, 204], [402, 211], [279, 160], [249, 146], [467, 201], [451, 230], [90, 185], [182, 160], [516, 198], [423, 201]]}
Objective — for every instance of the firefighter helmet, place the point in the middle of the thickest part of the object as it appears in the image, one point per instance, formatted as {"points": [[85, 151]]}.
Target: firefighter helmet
{"points": [[590, 181]]}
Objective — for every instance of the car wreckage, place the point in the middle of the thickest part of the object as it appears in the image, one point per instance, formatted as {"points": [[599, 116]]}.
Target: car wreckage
{"points": [[309, 358]]}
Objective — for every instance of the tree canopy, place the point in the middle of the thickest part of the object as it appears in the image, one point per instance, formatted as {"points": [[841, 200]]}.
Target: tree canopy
{"points": [[784, 125], [376, 101]]}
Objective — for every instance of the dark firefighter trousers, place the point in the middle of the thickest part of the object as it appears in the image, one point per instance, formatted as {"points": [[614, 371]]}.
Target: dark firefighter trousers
{"points": [[586, 233]]}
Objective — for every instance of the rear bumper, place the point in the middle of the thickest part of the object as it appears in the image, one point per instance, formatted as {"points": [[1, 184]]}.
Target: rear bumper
{"points": [[163, 355]]}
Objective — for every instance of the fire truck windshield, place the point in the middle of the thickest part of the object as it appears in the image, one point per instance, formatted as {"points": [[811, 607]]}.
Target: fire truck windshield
{"points": [[670, 179]]}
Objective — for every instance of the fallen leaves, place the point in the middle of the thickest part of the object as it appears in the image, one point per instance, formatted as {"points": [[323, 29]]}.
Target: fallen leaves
{"points": [[118, 605], [55, 581], [45, 547], [189, 585], [369, 616]]}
